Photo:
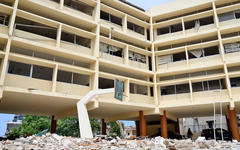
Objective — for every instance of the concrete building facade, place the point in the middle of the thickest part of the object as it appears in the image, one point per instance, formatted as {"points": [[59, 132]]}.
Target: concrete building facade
{"points": [[176, 60]]}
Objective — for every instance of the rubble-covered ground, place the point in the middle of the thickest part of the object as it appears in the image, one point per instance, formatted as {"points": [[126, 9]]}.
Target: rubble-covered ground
{"points": [[56, 142]]}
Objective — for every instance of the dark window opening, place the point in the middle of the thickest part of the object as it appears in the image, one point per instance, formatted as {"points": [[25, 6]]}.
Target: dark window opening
{"points": [[237, 14], [2, 47], [235, 82], [40, 72], [80, 6], [226, 16], [57, 1], [162, 31], [104, 16], [7, 2], [19, 68], [206, 21], [4, 19], [175, 89], [176, 28], [138, 89], [209, 51], [135, 28], [35, 28], [75, 39], [228, 35], [108, 17], [148, 34], [73, 78], [150, 63], [189, 25], [105, 83], [234, 68], [179, 56]]}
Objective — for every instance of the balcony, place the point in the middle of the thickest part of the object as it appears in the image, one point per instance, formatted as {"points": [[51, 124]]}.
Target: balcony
{"points": [[72, 89], [111, 58], [232, 57], [203, 62], [144, 99], [138, 65]]}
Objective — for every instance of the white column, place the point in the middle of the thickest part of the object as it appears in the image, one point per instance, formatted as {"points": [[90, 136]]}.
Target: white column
{"points": [[54, 78]]}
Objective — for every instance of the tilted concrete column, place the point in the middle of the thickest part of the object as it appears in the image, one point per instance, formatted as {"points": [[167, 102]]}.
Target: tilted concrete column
{"points": [[142, 124], [53, 125], [104, 127], [164, 132], [233, 123]]}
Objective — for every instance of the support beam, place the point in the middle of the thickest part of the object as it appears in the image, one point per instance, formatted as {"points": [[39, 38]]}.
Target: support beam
{"points": [[142, 123], [137, 128], [104, 127], [53, 125], [233, 124], [164, 132]]}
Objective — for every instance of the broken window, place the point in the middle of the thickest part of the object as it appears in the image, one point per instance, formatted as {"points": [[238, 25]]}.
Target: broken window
{"points": [[43, 73], [135, 28], [195, 24], [73, 78], [108, 17], [229, 16], [80, 6], [137, 57], [171, 58], [4, 19], [206, 21], [105, 83], [190, 25], [110, 49], [19, 68], [232, 47], [138, 89], [235, 82], [75, 39], [35, 28], [208, 51]]}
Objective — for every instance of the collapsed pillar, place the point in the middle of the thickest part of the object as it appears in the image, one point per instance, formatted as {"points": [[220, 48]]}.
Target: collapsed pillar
{"points": [[233, 124], [53, 125], [164, 132], [104, 126], [142, 123]]}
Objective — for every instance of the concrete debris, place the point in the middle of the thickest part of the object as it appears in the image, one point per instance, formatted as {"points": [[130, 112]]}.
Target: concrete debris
{"points": [[54, 142]]}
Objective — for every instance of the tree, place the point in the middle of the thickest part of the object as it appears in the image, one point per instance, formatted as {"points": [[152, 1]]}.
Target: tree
{"points": [[67, 127]]}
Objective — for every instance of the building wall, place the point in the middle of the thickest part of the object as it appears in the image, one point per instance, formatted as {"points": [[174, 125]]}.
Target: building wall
{"points": [[174, 58]]}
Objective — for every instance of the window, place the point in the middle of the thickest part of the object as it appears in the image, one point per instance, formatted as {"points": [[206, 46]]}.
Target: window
{"points": [[137, 57], [75, 39], [110, 49], [80, 6], [135, 28], [235, 82], [234, 68], [138, 89], [176, 28], [40, 72], [73, 78], [164, 30], [226, 16], [179, 56], [209, 85], [105, 83], [208, 51], [35, 28], [206, 21], [19, 68], [4, 19], [108, 17], [175, 89], [232, 47]]}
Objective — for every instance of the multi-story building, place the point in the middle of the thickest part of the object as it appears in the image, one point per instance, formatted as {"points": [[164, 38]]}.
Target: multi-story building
{"points": [[15, 123], [176, 60]]}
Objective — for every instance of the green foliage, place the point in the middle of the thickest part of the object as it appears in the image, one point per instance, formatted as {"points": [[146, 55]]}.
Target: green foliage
{"points": [[67, 127], [114, 129]]}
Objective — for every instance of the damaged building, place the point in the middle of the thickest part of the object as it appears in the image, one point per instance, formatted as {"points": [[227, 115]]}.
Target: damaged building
{"points": [[176, 60]]}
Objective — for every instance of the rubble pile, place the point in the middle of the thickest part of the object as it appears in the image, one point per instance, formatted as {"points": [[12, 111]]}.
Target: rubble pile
{"points": [[56, 142]]}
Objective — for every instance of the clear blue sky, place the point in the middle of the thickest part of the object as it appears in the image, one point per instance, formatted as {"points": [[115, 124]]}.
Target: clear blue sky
{"points": [[145, 4]]}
